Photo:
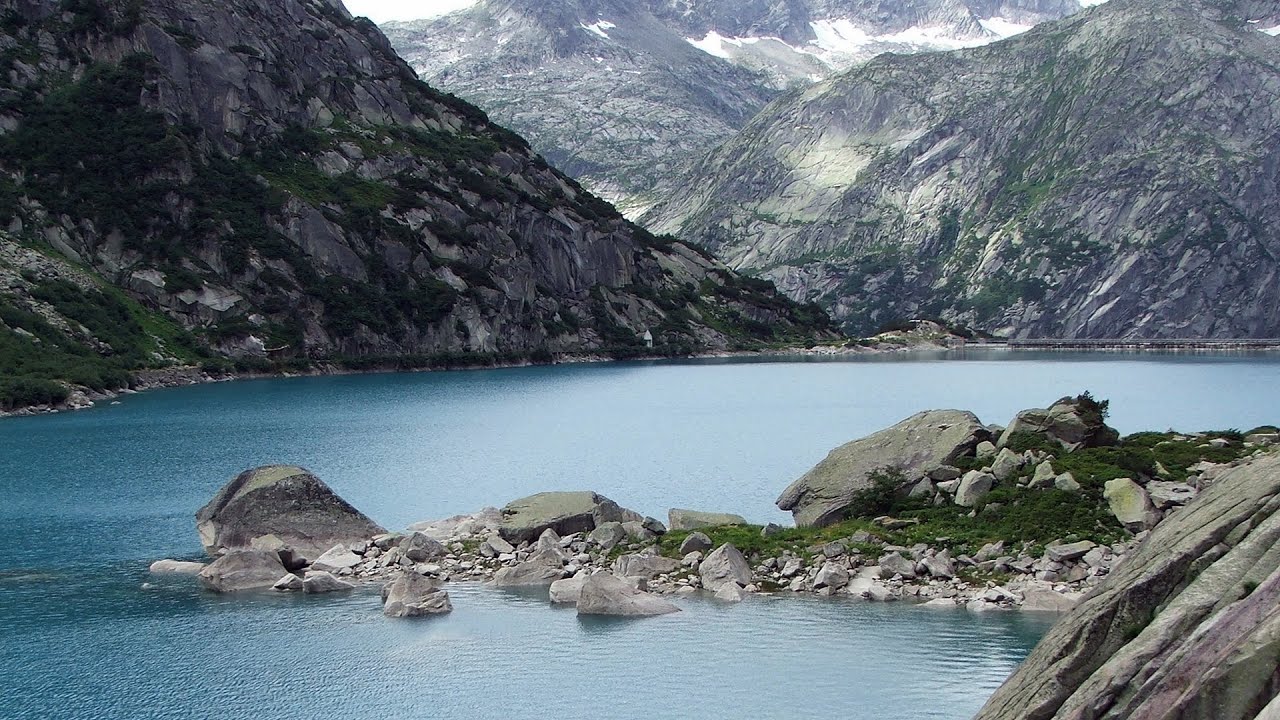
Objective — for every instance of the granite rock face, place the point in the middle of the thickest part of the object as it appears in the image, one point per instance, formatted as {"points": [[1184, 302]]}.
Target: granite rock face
{"points": [[1188, 627], [913, 447], [241, 191], [682, 519], [285, 501]]}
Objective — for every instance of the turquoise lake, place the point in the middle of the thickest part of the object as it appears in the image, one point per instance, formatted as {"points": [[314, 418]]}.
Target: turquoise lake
{"points": [[89, 499]]}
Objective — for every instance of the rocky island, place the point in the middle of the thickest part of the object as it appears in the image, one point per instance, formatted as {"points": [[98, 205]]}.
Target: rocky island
{"points": [[939, 508]]}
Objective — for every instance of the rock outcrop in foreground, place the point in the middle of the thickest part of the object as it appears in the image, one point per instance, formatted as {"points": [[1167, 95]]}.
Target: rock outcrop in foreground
{"points": [[1188, 627], [279, 506]]}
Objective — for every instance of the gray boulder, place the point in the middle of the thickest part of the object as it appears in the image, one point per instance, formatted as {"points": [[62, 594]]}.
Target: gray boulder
{"points": [[1130, 504], [1165, 495], [568, 590], [420, 547], [542, 568], [1046, 601], [608, 535], [1069, 551], [1044, 476], [696, 542], [525, 519], [242, 570], [1066, 482], [605, 594], [831, 575], [412, 595], [290, 582], [724, 565], [1007, 464], [1072, 422], [973, 487], [681, 519], [1185, 627], [282, 500], [645, 566], [894, 564], [939, 566], [913, 447], [336, 558], [319, 581]]}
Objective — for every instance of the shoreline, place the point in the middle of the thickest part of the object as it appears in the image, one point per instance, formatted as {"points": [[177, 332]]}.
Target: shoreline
{"points": [[81, 398]]}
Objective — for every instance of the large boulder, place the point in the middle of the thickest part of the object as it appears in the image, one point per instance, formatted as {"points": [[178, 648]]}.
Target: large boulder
{"points": [[913, 447], [1073, 422], [1186, 627], [282, 500], [543, 567], [681, 519], [973, 487], [525, 519], [412, 595], [568, 590], [606, 594], [420, 547], [243, 570], [319, 581], [336, 559], [724, 565], [645, 566], [1130, 504]]}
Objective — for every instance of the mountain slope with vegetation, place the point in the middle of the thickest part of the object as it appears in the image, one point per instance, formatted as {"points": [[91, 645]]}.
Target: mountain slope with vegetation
{"points": [[268, 182], [1108, 175]]}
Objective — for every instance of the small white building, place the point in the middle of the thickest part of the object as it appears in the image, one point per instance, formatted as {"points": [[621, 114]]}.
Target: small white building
{"points": [[648, 338]]}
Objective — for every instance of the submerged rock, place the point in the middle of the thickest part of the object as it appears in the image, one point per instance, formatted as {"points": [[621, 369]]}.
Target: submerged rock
{"points": [[176, 567], [914, 447], [606, 594], [243, 570], [285, 501]]}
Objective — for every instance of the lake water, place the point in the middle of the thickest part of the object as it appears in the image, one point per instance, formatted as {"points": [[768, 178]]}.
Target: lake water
{"points": [[88, 499]]}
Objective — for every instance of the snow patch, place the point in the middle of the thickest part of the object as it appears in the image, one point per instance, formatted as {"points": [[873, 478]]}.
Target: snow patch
{"points": [[713, 44], [598, 28], [1003, 28], [1090, 3], [1272, 31], [842, 36]]}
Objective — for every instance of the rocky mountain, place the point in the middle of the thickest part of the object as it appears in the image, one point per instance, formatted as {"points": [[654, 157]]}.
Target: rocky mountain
{"points": [[625, 95], [1112, 174], [269, 181]]}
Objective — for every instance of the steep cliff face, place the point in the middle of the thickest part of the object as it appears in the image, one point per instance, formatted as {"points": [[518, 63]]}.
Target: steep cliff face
{"points": [[1109, 175], [275, 179], [625, 95], [1187, 627]]}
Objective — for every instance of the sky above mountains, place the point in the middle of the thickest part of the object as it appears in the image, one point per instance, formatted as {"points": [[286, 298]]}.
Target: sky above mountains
{"points": [[381, 11]]}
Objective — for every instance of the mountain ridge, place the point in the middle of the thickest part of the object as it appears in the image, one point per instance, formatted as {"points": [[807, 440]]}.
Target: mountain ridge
{"points": [[1123, 193]]}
